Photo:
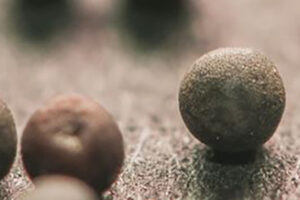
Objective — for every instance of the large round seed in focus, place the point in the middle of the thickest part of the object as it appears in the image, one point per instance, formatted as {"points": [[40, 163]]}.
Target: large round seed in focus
{"points": [[232, 99]]}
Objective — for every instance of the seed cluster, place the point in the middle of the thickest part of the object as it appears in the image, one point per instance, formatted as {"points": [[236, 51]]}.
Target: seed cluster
{"points": [[231, 99]]}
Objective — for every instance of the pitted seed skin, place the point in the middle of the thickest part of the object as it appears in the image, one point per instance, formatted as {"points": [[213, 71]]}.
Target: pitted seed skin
{"points": [[232, 99]]}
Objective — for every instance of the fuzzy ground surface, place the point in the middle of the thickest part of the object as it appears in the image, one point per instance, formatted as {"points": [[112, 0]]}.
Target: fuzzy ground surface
{"points": [[132, 65]]}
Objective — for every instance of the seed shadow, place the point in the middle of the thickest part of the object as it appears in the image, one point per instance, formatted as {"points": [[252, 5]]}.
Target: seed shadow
{"points": [[225, 158], [150, 24], [258, 177], [39, 21]]}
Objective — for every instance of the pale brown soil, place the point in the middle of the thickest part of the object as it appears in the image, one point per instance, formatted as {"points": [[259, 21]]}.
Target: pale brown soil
{"points": [[97, 56]]}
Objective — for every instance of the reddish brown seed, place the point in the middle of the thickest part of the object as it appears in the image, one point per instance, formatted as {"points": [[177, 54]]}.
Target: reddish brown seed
{"points": [[59, 188], [75, 136], [8, 139]]}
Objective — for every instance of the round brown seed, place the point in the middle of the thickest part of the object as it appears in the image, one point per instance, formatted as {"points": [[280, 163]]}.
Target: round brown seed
{"points": [[8, 139], [75, 136], [232, 99]]}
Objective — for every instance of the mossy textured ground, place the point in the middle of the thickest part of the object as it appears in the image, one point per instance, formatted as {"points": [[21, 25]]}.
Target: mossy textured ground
{"points": [[139, 87]]}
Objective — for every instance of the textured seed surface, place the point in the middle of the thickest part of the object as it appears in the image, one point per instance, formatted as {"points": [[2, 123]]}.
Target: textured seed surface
{"points": [[59, 187], [232, 99], [8, 139], [73, 135]]}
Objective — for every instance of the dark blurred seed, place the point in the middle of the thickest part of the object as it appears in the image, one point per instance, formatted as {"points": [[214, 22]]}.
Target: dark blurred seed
{"points": [[41, 20], [151, 23]]}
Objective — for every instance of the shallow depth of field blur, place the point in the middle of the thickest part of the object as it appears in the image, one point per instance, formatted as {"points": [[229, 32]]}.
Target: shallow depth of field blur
{"points": [[130, 56]]}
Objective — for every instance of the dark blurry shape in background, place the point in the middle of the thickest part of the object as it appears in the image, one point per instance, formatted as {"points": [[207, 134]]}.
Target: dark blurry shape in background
{"points": [[151, 23], [41, 20]]}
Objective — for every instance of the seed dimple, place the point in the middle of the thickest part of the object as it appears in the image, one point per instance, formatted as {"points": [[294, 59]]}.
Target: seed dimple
{"points": [[72, 143]]}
